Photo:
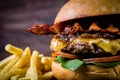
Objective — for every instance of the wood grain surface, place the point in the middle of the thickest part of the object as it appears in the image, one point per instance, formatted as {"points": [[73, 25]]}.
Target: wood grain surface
{"points": [[18, 15]]}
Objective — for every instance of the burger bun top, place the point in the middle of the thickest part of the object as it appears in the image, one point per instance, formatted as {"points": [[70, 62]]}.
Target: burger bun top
{"points": [[75, 9]]}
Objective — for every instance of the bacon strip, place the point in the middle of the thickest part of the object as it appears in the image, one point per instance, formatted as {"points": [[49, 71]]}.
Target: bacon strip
{"points": [[59, 28], [76, 28], [112, 29], [40, 29], [94, 27]]}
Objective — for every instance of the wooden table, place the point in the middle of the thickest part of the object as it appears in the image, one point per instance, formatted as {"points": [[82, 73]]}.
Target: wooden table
{"points": [[16, 16]]}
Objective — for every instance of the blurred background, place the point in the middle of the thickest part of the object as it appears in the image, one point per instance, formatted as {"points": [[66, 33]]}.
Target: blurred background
{"points": [[16, 16]]}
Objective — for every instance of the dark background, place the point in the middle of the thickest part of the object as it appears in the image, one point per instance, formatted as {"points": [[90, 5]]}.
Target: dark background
{"points": [[16, 16]]}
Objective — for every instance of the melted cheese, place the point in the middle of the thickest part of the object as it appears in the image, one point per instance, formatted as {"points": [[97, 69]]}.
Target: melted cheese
{"points": [[57, 45], [110, 46]]}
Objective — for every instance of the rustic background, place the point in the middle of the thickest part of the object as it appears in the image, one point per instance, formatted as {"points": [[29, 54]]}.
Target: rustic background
{"points": [[18, 15]]}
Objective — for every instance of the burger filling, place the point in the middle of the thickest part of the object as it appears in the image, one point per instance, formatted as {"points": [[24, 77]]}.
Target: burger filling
{"points": [[86, 47], [91, 40]]}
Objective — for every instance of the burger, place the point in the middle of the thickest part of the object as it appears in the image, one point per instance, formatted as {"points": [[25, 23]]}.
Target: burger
{"points": [[86, 40]]}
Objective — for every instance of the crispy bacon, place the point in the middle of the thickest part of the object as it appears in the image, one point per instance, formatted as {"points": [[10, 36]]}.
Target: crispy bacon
{"points": [[40, 29], [59, 28], [112, 29], [71, 29], [94, 27], [46, 29], [76, 28], [56, 28]]}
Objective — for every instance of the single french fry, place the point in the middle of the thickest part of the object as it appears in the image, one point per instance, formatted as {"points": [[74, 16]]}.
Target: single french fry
{"points": [[24, 78], [40, 66], [46, 61], [16, 77], [47, 68], [13, 50], [40, 72], [32, 71], [5, 61], [8, 67], [20, 71], [41, 55], [48, 75], [24, 59], [41, 77], [13, 72]]}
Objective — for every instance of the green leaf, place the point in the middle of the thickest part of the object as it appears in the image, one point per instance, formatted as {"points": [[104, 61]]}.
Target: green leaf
{"points": [[68, 63], [72, 64], [59, 59], [109, 64]]}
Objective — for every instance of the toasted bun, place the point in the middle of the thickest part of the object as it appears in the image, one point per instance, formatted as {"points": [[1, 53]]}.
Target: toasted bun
{"points": [[84, 8], [86, 72]]}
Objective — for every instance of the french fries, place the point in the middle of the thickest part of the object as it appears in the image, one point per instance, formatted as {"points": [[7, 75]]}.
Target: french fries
{"points": [[24, 79], [8, 67], [16, 77], [48, 75], [24, 65], [24, 59], [46, 61], [13, 50], [32, 71], [5, 61]]}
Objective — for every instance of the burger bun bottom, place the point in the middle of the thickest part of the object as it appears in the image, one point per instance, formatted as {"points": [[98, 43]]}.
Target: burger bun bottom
{"points": [[86, 72]]}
